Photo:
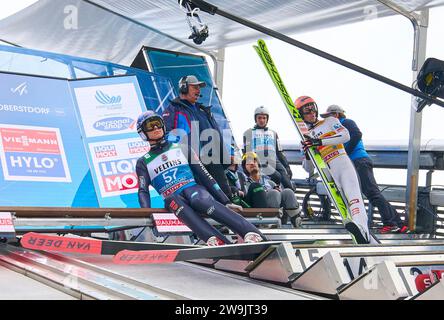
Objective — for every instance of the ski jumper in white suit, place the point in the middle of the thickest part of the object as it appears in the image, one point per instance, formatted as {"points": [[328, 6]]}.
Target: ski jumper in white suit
{"points": [[333, 135]]}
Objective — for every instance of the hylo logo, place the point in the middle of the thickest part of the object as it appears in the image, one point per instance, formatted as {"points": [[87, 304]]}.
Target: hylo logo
{"points": [[103, 98]]}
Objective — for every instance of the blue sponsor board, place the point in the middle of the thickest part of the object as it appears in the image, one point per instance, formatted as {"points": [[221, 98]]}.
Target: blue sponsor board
{"points": [[37, 165], [43, 161]]}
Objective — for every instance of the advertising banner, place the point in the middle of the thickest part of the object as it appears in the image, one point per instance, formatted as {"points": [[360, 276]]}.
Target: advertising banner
{"points": [[108, 109], [42, 157], [115, 165], [169, 223], [31, 153]]}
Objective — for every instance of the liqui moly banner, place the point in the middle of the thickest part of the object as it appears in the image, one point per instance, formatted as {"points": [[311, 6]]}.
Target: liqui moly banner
{"points": [[108, 109], [115, 165], [42, 157]]}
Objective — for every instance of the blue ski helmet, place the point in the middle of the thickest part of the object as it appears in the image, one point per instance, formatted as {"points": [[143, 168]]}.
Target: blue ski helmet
{"points": [[142, 120]]}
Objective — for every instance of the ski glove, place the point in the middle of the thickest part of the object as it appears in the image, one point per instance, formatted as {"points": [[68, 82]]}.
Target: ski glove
{"points": [[234, 207], [310, 142]]}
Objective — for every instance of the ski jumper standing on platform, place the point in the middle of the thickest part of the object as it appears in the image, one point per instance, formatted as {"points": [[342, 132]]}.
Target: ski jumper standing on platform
{"points": [[174, 171], [328, 136], [265, 143]]}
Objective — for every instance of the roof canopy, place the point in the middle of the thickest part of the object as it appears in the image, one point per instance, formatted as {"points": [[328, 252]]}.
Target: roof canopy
{"points": [[113, 30]]}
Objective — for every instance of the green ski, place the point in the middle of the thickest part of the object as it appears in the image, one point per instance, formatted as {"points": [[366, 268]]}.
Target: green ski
{"points": [[334, 193]]}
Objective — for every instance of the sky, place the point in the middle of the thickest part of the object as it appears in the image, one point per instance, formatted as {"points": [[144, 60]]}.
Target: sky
{"points": [[382, 45]]}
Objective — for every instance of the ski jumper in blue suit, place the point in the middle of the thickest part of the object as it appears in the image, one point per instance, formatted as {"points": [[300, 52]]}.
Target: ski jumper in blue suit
{"points": [[188, 190]]}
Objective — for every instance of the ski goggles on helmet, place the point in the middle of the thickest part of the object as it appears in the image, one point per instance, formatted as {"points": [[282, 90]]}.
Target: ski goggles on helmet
{"points": [[153, 123], [309, 108]]}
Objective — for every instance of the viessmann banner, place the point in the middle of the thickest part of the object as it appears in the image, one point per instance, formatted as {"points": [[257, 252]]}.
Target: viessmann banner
{"points": [[108, 109], [42, 157]]}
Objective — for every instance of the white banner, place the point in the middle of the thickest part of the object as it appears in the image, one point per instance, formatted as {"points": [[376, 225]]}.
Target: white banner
{"points": [[108, 109], [6, 225], [169, 223], [115, 165]]}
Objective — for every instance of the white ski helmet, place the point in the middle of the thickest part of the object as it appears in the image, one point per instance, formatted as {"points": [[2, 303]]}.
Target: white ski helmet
{"points": [[261, 110]]}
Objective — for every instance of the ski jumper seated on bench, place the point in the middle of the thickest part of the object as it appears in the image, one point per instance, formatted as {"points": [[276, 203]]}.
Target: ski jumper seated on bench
{"points": [[187, 188], [263, 192]]}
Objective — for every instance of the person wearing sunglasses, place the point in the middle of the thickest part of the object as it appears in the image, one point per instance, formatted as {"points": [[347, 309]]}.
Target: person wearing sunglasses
{"points": [[187, 188], [328, 137]]}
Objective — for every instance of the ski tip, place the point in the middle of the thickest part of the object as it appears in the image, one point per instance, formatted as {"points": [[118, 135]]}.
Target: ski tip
{"points": [[145, 256], [37, 241]]}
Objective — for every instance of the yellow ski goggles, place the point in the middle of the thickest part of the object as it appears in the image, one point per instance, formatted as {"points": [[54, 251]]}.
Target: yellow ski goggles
{"points": [[153, 123]]}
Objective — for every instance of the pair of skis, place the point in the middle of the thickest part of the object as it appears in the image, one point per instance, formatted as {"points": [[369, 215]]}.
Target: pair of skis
{"points": [[126, 252], [334, 193]]}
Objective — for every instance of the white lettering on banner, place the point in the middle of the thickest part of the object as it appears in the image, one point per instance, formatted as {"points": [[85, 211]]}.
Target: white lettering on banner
{"points": [[32, 162], [118, 167], [106, 154], [26, 141], [27, 109], [125, 182], [139, 150], [71, 21], [6, 224], [169, 223], [105, 151], [104, 148]]}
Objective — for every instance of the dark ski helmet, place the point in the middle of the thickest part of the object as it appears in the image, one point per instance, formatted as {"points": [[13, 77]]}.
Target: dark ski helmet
{"points": [[146, 122]]}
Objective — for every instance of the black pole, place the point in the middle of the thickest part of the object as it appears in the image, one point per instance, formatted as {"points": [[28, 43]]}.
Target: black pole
{"points": [[209, 8]]}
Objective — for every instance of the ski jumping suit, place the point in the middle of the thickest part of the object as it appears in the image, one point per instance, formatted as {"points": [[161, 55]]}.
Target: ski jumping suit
{"points": [[265, 142], [168, 170], [333, 135]]}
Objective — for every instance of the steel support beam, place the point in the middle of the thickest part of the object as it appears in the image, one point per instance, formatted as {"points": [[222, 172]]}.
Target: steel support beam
{"points": [[219, 70], [420, 42], [420, 23]]}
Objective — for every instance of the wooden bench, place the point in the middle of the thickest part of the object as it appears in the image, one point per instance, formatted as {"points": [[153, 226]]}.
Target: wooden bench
{"points": [[68, 212]]}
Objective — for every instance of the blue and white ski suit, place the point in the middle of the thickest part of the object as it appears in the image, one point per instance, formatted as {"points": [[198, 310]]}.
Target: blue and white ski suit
{"points": [[188, 190]]}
